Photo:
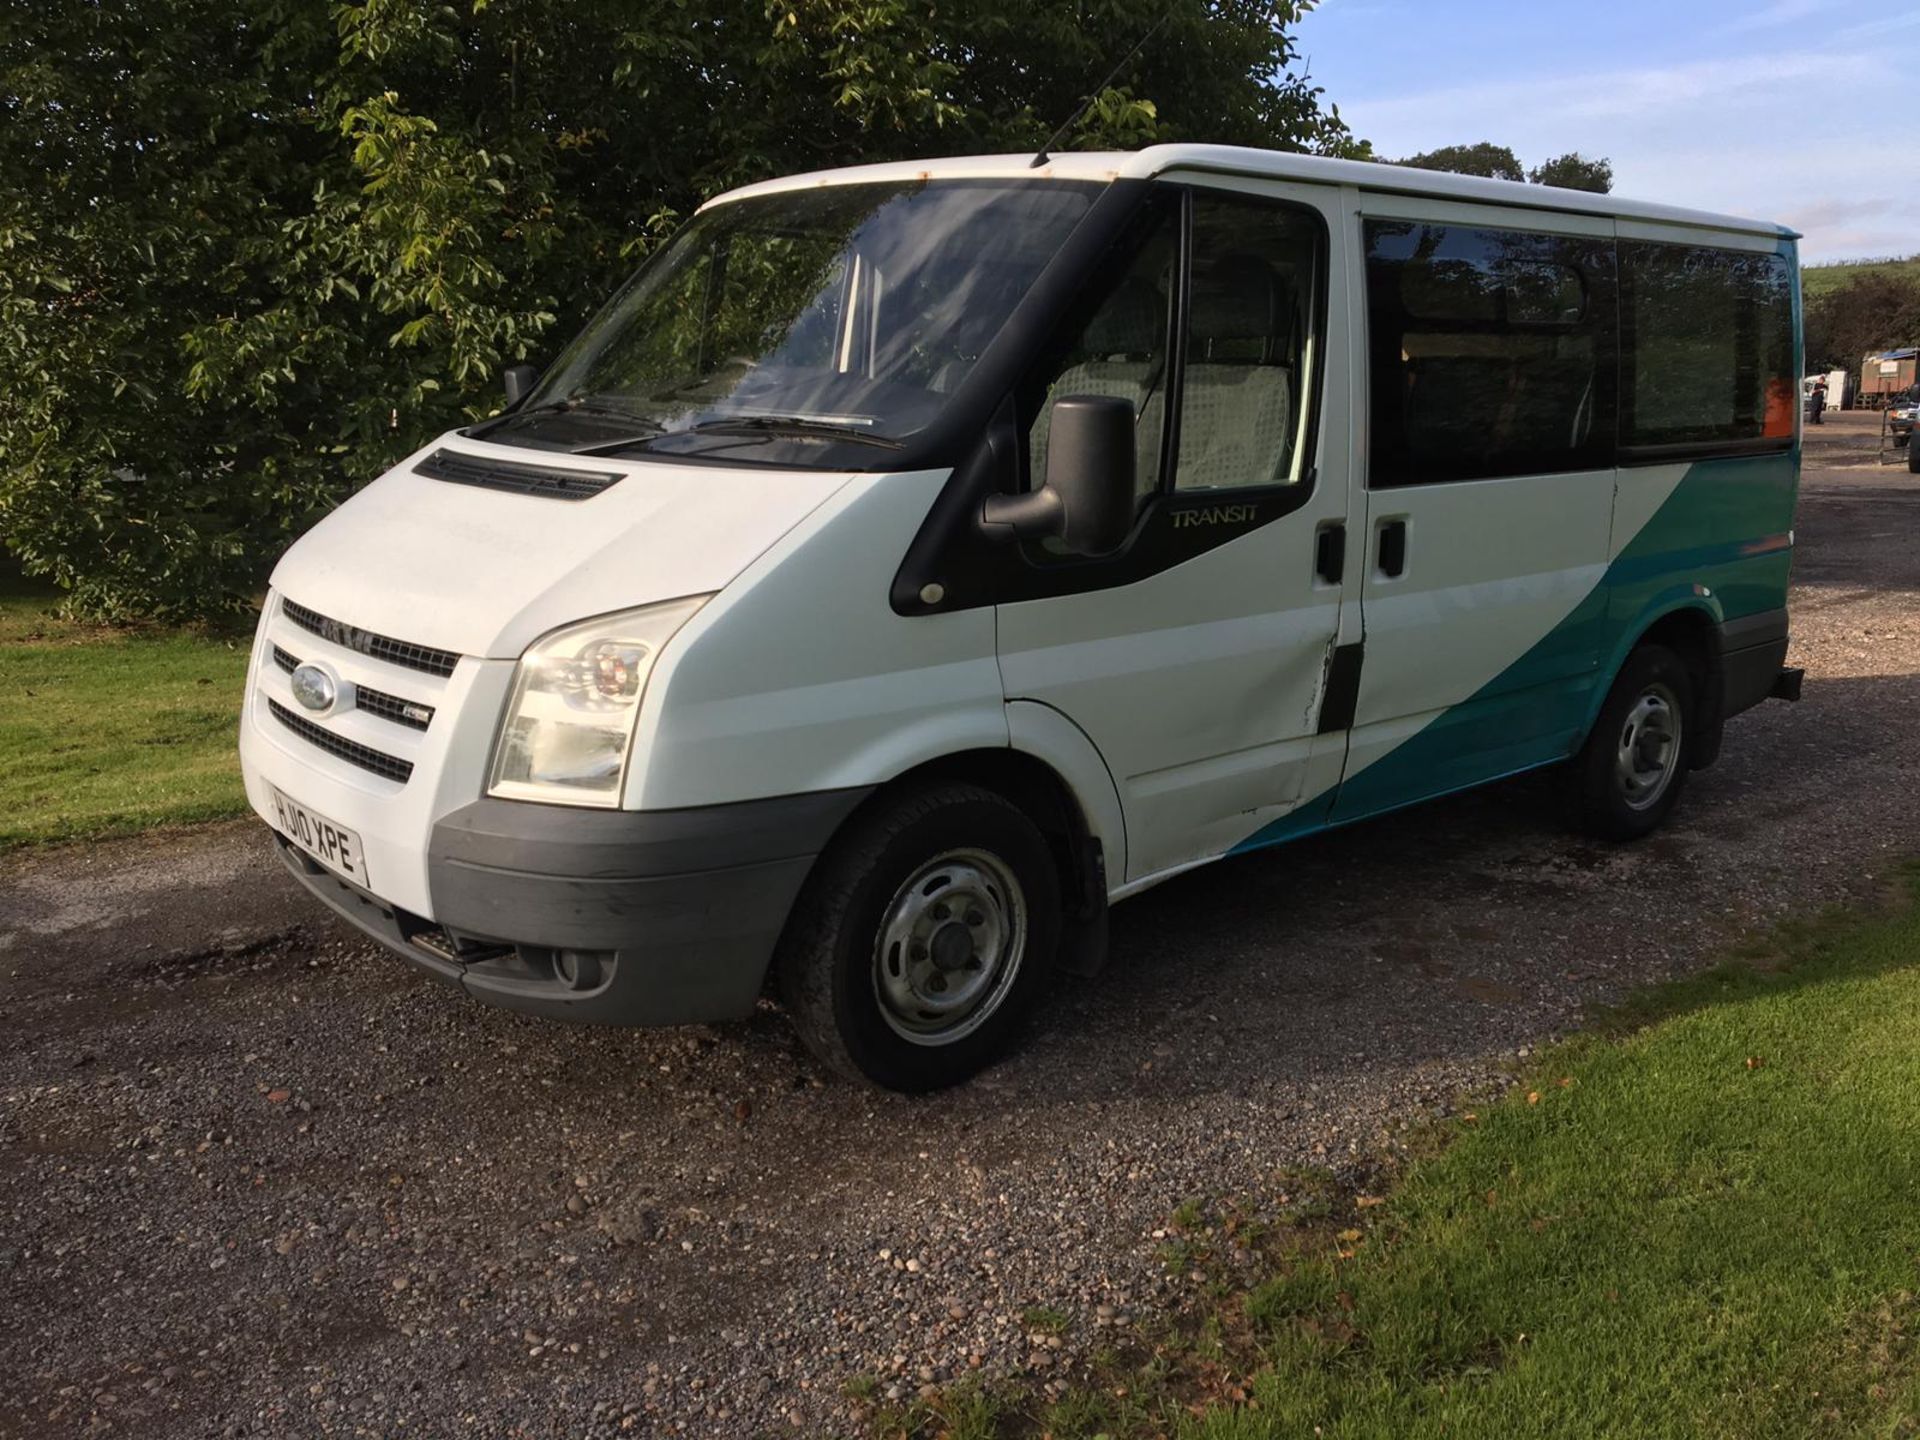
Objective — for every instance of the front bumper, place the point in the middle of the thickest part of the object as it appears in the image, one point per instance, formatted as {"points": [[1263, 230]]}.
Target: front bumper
{"points": [[607, 917]]}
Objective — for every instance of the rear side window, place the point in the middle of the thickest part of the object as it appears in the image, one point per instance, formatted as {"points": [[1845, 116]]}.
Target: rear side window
{"points": [[1708, 342], [1492, 352]]}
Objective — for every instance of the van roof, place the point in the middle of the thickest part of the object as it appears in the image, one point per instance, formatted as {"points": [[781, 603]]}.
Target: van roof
{"points": [[1105, 165]]}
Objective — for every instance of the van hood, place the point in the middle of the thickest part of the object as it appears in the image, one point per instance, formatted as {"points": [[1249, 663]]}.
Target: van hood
{"points": [[478, 570]]}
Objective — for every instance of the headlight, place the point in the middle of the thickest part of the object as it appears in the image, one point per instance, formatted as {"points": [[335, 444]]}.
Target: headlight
{"points": [[576, 695]]}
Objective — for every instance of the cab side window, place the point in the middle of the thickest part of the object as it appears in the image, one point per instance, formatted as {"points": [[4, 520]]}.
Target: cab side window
{"points": [[1251, 309], [1122, 352]]}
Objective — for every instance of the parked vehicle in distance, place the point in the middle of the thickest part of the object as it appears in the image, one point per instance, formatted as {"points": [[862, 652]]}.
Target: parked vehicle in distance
{"points": [[1900, 418], [913, 561]]}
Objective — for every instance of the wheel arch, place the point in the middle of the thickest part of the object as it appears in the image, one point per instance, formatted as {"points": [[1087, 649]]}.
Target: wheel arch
{"points": [[1039, 789], [1690, 627]]}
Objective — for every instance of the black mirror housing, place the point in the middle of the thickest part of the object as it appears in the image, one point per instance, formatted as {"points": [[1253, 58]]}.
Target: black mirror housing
{"points": [[1088, 497], [518, 381], [1090, 467]]}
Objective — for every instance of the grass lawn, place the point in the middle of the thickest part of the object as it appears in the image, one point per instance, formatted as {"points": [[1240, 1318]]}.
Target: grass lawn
{"points": [[106, 730], [1703, 1219]]}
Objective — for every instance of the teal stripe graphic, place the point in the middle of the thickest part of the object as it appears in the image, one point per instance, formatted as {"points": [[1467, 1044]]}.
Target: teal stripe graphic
{"points": [[1548, 697]]}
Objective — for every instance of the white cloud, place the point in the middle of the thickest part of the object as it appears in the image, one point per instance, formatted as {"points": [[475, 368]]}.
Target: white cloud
{"points": [[1781, 12], [1883, 25]]}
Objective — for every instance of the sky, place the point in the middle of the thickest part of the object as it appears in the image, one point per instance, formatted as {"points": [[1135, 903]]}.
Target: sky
{"points": [[1786, 110]]}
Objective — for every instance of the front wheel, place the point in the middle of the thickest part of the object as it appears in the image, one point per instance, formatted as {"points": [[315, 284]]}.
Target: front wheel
{"points": [[923, 938], [1913, 459], [1629, 775]]}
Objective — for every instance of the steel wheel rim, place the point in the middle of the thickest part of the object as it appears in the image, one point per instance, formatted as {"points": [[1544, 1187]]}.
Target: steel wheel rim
{"points": [[950, 947], [1648, 755]]}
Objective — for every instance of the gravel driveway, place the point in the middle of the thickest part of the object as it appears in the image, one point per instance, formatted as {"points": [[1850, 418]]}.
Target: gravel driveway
{"points": [[258, 1178]]}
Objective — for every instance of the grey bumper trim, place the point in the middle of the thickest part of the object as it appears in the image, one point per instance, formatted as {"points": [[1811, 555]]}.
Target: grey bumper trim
{"points": [[1753, 649], [610, 917]]}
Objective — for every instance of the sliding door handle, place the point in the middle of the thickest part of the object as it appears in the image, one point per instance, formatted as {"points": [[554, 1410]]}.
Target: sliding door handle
{"points": [[1330, 553], [1393, 549]]}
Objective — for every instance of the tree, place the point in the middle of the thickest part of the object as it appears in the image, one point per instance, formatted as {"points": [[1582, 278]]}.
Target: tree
{"points": [[254, 251], [1489, 161], [1870, 312], [1573, 171]]}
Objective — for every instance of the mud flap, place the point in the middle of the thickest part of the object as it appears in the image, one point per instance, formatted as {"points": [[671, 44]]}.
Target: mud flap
{"points": [[1083, 938]]}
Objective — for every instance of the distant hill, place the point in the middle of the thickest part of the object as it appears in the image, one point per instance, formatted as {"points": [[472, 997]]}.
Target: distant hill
{"points": [[1817, 280]]}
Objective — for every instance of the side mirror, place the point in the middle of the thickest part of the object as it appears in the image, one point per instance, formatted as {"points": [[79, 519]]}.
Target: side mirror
{"points": [[1088, 497], [518, 380]]}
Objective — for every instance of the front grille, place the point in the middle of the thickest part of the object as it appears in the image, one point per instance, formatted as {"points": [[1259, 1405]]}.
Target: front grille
{"points": [[546, 480], [354, 753], [374, 702], [392, 707], [380, 647]]}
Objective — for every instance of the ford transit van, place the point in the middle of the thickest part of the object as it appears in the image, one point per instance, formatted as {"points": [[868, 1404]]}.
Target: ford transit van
{"points": [[912, 561]]}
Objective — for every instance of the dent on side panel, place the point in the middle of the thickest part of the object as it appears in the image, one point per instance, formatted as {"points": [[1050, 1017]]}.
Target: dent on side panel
{"points": [[800, 676]]}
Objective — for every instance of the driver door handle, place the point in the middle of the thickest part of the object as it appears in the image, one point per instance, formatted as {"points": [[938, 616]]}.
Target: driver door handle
{"points": [[1330, 552]]}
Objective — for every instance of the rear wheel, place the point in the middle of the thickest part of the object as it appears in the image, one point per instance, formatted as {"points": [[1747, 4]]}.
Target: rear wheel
{"points": [[923, 938], [1629, 775]]}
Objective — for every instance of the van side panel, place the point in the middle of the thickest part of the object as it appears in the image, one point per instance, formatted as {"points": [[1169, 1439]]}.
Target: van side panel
{"points": [[1489, 647], [1713, 536]]}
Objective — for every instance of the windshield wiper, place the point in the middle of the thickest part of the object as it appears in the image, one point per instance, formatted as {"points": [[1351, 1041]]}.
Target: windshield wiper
{"points": [[568, 406], [791, 425]]}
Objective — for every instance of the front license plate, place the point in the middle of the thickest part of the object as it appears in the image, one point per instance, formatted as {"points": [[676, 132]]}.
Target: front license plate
{"points": [[333, 845]]}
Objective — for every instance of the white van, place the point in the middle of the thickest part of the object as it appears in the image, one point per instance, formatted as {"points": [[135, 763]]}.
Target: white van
{"points": [[913, 560]]}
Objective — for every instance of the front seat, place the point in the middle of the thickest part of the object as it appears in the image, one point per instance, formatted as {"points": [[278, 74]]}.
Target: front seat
{"points": [[1122, 356], [1237, 409]]}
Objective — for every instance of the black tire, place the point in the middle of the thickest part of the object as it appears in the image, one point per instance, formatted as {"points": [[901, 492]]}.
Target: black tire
{"points": [[1605, 799], [851, 1003], [1913, 459]]}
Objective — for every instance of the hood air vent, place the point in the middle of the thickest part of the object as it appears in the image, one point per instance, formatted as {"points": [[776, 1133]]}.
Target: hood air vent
{"points": [[489, 474]]}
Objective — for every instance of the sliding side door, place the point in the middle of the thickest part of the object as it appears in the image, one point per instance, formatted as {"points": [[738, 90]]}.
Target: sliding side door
{"points": [[1492, 340]]}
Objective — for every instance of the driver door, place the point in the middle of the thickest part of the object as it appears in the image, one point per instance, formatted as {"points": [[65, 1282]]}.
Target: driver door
{"points": [[1198, 657]]}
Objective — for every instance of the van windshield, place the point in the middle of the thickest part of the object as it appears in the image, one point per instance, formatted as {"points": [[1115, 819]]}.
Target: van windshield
{"points": [[846, 313]]}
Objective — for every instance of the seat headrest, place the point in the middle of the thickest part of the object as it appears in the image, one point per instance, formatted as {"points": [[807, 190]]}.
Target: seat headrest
{"points": [[1236, 298], [1130, 322]]}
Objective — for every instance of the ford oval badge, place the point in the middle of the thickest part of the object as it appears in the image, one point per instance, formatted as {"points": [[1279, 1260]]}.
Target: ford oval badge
{"points": [[314, 688]]}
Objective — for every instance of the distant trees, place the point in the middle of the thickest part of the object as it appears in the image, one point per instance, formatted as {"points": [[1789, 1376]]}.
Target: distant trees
{"points": [[1572, 171], [1874, 310], [1487, 160]]}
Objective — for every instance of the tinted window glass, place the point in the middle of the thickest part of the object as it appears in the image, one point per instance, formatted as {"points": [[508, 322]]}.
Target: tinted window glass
{"points": [[1708, 338], [1121, 352], [1492, 352], [1254, 291]]}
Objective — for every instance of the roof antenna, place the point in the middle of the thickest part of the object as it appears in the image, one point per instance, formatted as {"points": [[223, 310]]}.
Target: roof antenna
{"points": [[1042, 156]]}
